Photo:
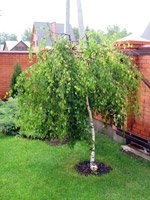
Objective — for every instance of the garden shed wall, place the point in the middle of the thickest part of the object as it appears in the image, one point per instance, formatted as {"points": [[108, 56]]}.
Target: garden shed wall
{"points": [[140, 125], [139, 51]]}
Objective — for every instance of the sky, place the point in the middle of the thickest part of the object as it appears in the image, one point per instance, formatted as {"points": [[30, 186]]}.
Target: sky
{"points": [[18, 15]]}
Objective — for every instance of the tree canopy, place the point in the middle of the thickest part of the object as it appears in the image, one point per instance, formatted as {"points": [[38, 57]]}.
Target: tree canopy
{"points": [[52, 93], [27, 35], [76, 33], [116, 32], [112, 33], [5, 36]]}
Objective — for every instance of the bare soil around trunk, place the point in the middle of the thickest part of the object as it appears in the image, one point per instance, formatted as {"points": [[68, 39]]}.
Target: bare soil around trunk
{"points": [[84, 168]]}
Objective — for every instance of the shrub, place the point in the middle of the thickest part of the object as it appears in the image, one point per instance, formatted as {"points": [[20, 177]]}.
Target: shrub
{"points": [[6, 96], [7, 116], [1, 102], [9, 128], [13, 81]]}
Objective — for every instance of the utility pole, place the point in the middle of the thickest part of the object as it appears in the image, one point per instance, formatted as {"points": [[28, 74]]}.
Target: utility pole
{"points": [[80, 20], [68, 17]]}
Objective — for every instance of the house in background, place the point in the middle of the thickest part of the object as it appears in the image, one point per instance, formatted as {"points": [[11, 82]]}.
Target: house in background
{"points": [[146, 33], [16, 46], [144, 37], [46, 32]]}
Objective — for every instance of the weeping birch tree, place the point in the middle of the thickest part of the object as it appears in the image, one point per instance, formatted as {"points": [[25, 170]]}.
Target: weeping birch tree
{"points": [[60, 94]]}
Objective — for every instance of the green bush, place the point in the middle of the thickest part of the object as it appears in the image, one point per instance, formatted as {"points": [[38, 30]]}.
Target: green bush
{"points": [[1, 102], [7, 116], [9, 128]]}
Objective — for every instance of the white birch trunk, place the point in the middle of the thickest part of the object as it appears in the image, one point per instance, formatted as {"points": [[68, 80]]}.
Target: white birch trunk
{"points": [[93, 166]]}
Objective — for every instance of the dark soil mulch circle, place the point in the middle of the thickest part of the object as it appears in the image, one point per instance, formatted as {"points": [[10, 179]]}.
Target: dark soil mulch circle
{"points": [[84, 168]]}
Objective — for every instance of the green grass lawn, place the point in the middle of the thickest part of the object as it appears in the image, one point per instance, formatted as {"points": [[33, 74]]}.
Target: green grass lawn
{"points": [[35, 170]]}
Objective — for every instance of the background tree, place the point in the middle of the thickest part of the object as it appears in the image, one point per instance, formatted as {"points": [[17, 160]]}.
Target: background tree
{"points": [[63, 89], [112, 33], [76, 32], [17, 71], [27, 35], [5, 36], [115, 32]]}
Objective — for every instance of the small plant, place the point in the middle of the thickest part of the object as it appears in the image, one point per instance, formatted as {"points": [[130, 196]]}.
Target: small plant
{"points": [[1, 102], [13, 81], [7, 114], [9, 128], [6, 96]]}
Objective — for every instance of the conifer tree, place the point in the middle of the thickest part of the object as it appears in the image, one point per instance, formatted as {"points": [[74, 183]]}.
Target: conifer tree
{"points": [[16, 73]]}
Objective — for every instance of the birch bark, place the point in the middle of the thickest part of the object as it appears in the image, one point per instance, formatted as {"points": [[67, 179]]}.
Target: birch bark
{"points": [[93, 166]]}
